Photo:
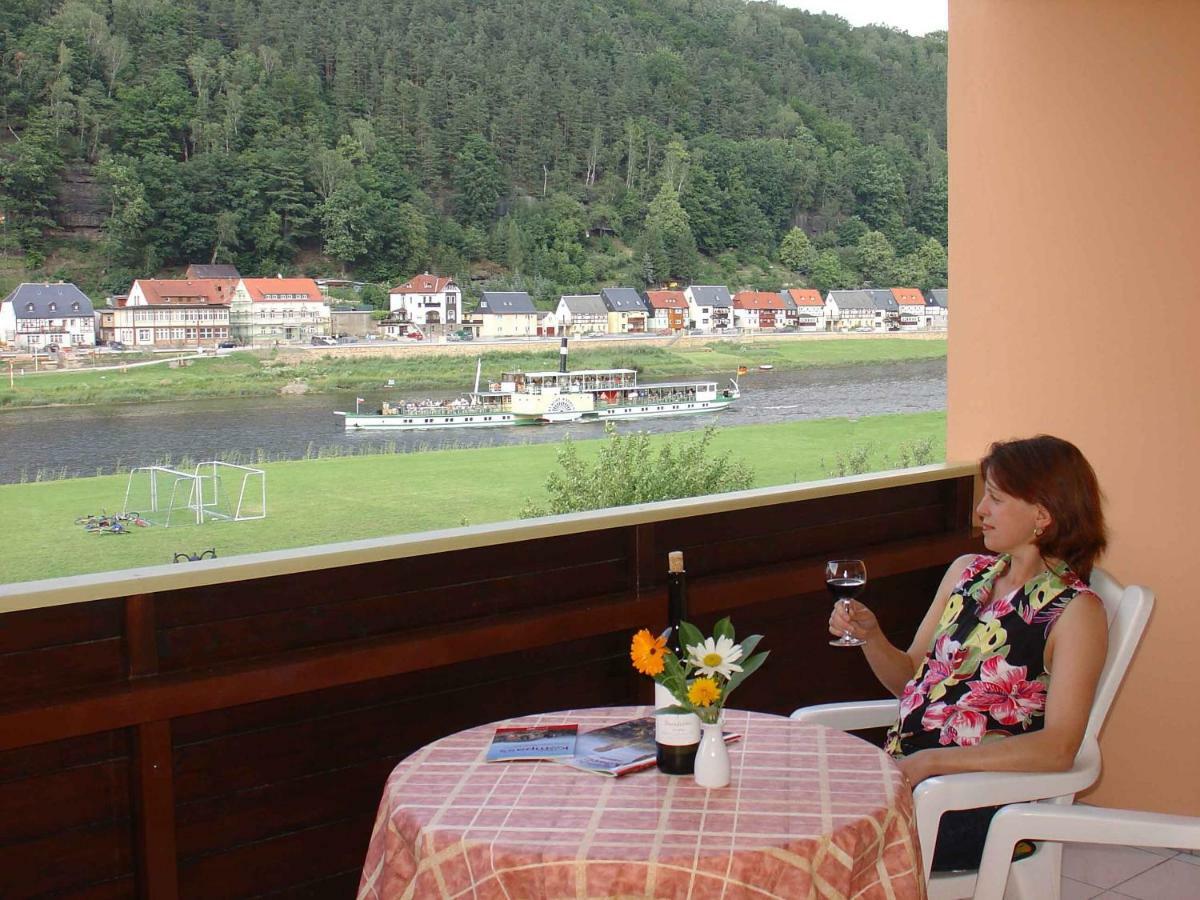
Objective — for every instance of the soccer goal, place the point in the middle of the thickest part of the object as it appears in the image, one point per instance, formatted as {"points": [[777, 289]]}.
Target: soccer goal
{"points": [[213, 490]]}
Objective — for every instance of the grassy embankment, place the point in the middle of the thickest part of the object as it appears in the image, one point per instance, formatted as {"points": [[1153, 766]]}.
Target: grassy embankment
{"points": [[325, 501], [250, 374]]}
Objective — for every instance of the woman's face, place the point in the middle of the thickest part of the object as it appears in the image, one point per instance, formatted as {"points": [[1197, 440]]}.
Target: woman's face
{"points": [[1007, 521]]}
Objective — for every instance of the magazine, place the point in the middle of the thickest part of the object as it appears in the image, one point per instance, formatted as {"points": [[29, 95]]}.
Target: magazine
{"points": [[619, 749], [532, 742]]}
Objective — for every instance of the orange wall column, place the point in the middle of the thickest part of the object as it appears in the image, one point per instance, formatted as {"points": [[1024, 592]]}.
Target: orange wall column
{"points": [[1074, 145]]}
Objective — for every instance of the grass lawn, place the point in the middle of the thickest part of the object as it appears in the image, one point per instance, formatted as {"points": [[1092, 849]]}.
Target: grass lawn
{"points": [[259, 373], [328, 500]]}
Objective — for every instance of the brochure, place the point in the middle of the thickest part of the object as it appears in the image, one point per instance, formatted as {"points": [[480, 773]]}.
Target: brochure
{"points": [[532, 742], [619, 749]]}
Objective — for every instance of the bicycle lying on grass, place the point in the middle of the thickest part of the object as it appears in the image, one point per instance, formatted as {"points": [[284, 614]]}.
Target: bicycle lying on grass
{"points": [[117, 523]]}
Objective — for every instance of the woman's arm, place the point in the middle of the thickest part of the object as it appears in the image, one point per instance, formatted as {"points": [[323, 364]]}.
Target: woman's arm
{"points": [[892, 666], [1077, 649]]}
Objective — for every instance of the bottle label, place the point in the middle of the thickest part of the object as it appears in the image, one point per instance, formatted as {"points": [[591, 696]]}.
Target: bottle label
{"points": [[677, 730]]}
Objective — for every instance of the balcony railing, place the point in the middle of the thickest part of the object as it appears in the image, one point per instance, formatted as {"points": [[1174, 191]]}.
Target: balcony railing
{"points": [[225, 728]]}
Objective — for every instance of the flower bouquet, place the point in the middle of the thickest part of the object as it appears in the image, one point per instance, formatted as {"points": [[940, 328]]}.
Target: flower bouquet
{"points": [[700, 683]]}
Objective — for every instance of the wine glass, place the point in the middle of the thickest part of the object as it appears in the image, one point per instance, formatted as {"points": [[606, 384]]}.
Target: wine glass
{"points": [[846, 579]]}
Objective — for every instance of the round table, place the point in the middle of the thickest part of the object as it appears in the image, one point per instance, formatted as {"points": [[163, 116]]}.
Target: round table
{"points": [[810, 812]]}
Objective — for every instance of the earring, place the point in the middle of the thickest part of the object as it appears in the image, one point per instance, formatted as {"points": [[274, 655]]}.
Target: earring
{"points": [[1037, 532]]}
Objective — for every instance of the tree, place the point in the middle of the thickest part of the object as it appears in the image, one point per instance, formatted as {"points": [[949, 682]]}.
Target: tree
{"points": [[478, 181], [667, 226], [627, 470], [796, 251], [932, 257], [828, 274], [875, 258]]}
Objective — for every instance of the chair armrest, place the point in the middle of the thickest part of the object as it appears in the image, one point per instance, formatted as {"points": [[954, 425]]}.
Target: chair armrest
{"points": [[1094, 825], [943, 793], [851, 715]]}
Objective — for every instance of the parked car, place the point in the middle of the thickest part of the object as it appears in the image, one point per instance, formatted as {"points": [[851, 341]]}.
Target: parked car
{"points": [[323, 340], [225, 345], [415, 336], [116, 345], [463, 334]]}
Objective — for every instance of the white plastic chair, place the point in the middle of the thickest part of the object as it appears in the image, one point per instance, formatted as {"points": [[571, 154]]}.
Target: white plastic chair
{"points": [[1039, 875], [1094, 825]]}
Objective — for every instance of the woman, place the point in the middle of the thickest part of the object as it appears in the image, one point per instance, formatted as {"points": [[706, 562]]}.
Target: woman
{"points": [[979, 666]]}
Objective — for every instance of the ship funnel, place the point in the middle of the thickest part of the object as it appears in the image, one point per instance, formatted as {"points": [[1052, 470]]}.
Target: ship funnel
{"points": [[562, 356]]}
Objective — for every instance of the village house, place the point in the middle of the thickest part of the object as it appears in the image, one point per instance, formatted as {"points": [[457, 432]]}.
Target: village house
{"points": [[809, 309], [196, 271], [937, 308], [106, 321], [668, 310], [581, 314], [40, 315], [887, 310], [627, 312], [266, 310], [758, 310], [173, 313], [911, 304], [710, 308], [355, 322], [850, 310], [427, 300], [507, 314]]}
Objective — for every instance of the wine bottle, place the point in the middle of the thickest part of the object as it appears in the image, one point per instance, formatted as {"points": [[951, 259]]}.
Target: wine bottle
{"points": [[676, 737]]}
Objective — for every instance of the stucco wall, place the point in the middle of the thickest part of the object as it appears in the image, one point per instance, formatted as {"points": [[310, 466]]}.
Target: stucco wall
{"points": [[1074, 186]]}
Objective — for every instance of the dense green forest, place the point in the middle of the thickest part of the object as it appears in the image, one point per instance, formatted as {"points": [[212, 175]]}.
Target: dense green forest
{"points": [[551, 145]]}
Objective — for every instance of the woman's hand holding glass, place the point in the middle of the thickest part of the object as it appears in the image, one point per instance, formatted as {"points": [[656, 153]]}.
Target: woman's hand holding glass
{"points": [[859, 622]]}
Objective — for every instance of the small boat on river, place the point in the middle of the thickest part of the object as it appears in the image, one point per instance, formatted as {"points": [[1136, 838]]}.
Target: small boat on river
{"points": [[540, 398]]}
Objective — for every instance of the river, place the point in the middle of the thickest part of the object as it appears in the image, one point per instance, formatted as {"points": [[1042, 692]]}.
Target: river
{"points": [[91, 440]]}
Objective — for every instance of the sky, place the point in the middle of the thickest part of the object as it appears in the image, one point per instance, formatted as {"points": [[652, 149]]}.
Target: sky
{"points": [[914, 16]]}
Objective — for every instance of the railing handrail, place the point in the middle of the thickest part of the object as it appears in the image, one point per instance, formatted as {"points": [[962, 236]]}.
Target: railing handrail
{"points": [[152, 579]]}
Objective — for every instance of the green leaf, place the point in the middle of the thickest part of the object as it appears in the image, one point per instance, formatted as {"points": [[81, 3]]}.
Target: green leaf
{"points": [[749, 644], [724, 628], [748, 668], [689, 635]]}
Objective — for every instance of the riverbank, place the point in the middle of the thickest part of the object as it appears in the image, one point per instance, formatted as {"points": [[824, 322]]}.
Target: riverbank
{"points": [[323, 501], [267, 373]]}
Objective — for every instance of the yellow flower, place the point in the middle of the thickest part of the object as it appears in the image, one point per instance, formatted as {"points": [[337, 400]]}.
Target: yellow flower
{"points": [[703, 692], [647, 652]]}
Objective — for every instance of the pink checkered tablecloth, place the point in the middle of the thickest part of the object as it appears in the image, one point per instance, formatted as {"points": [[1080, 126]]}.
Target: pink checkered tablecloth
{"points": [[811, 812]]}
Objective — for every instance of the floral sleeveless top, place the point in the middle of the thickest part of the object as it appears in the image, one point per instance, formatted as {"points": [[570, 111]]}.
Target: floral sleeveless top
{"points": [[984, 676]]}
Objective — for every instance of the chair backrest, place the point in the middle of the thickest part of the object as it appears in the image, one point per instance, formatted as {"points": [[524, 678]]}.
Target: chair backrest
{"points": [[1128, 610]]}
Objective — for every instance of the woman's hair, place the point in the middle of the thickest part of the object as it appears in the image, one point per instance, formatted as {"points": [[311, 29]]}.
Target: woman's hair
{"points": [[1052, 472]]}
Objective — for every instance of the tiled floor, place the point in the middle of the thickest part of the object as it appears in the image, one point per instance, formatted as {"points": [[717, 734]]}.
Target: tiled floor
{"points": [[1105, 872]]}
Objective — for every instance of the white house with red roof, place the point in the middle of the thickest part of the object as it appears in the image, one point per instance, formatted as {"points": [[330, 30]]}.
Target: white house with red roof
{"points": [[668, 310], [265, 310], [427, 299], [912, 308], [809, 309], [174, 313], [758, 309]]}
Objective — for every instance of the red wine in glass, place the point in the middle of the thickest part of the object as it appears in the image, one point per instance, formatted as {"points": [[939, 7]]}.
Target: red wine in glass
{"points": [[846, 579]]}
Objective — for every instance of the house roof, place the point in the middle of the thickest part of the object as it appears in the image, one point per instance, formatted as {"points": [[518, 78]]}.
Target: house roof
{"points": [[181, 291], [881, 298], [666, 299], [852, 299], [63, 300], [584, 304], [758, 300], [803, 297], [908, 296], [710, 295], [423, 284], [261, 289], [621, 299], [938, 297], [506, 303], [218, 271]]}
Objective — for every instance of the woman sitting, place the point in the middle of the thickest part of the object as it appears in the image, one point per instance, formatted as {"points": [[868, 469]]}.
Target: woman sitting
{"points": [[975, 687]]}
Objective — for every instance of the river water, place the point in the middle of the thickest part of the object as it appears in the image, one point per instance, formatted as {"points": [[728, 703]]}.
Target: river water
{"points": [[90, 440]]}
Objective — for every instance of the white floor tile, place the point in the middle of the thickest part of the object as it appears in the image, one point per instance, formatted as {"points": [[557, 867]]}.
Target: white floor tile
{"points": [[1077, 890], [1103, 865], [1164, 852], [1189, 856], [1170, 880]]}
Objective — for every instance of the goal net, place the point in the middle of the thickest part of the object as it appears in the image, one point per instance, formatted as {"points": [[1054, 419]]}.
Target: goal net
{"points": [[214, 490]]}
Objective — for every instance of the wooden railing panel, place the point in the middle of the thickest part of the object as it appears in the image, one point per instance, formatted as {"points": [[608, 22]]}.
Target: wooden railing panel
{"points": [[232, 739]]}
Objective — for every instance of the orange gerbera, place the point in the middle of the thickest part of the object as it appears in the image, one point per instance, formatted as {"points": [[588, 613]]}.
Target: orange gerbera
{"points": [[647, 652]]}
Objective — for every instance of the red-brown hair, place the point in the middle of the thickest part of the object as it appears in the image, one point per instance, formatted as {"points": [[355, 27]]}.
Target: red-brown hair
{"points": [[1052, 472]]}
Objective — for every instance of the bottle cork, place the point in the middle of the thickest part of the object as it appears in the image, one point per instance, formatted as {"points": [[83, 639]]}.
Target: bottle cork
{"points": [[675, 561]]}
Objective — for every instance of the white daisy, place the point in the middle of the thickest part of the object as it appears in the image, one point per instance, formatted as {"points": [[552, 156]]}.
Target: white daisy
{"points": [[716, 657]]}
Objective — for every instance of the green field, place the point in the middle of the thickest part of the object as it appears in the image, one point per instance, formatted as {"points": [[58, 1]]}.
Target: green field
{"points": [[328, 500], [261, 373]]}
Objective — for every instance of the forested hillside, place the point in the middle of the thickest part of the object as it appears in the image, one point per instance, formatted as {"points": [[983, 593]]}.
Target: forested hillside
{"points": [[551, 144]]}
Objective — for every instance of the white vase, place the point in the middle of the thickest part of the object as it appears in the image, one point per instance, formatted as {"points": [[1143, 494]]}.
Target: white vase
{"points": [[712, 759]]}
